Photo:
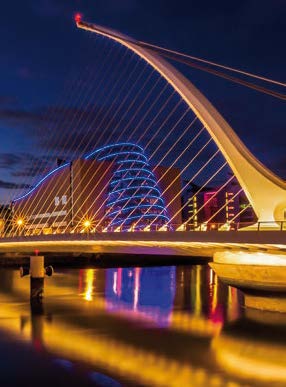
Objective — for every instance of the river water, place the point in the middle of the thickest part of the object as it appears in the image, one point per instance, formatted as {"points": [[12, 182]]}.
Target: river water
{"points": [[138, 326]]}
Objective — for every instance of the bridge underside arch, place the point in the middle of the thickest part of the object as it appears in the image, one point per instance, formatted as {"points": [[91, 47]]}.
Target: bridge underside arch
{"points": [[265, 191]]}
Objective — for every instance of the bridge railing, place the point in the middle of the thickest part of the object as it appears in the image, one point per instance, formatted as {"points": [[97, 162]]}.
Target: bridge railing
{"points": [[185, 227]]}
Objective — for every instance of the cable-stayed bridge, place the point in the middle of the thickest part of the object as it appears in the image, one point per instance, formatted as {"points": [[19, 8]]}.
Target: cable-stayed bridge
{"points": [[147, 165]]}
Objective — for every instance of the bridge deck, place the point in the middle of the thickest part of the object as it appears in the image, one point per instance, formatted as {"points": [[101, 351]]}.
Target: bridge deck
{"points": [[199, 243]]}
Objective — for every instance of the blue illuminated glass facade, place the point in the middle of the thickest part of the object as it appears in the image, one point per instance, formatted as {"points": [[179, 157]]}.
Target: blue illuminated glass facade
{"points": [[130, 197], [134, 198]]}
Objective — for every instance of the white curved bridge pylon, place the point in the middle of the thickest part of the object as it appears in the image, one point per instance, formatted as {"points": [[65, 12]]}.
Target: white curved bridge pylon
{"points": [[265, 191]]}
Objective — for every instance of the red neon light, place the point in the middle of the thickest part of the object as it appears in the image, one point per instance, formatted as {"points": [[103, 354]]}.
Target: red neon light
{"points": [[78, 17]]}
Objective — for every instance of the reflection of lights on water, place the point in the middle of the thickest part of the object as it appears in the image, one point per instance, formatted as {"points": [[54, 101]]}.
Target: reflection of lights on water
{"points": [[248, 358], [64, 363], [211, 276], [103, 380], [130, 361], [117, 357], [115, 282], [147, 367], [217, 309], [148, 293], [215, 297], [151, 297], [198, 296], [136, 287], [233, 304], [89, 284]]}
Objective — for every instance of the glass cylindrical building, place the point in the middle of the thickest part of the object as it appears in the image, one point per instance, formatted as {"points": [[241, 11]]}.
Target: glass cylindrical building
{"points": [[134, 199]]}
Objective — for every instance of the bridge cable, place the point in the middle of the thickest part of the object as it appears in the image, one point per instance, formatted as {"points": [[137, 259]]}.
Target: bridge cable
{"points": [[166, 51], [165, 155], [52, 113], [114, 101], [71, 133], [110, 135], [242, 82]]}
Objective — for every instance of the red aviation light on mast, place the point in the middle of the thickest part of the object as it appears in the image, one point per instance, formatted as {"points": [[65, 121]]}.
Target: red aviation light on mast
{"points": [[78, 17]]}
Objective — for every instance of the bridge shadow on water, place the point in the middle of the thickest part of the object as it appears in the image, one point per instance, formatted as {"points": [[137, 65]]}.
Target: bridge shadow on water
{"points": [[102, 260]]}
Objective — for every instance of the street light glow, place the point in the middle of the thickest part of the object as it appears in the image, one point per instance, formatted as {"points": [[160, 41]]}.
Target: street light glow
{"points": [[20, 222], [86, 223]]}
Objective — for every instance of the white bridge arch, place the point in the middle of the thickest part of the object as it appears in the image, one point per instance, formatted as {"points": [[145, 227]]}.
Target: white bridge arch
{"points": [[265, 191]]}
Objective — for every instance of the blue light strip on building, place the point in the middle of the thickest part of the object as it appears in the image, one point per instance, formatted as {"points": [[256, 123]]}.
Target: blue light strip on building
{"points": [[139, 207], [132, 161], [129, 158], [135, 197], [128, 185], [121, 153], [114, 182], [112, 146], [134, 169], [85, 157], [135, 187], [147, 216], [41, 181]]}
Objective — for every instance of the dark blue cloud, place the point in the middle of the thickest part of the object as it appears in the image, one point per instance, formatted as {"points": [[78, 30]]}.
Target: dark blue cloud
{"points": [[12, 185]]}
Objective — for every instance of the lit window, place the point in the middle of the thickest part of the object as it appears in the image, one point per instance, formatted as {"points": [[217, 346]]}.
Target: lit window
{"points": [[57, 201], [64, 199]]}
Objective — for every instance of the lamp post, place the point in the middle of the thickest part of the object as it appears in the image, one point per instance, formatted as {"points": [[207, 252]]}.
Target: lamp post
{"points": [[87, 225], [20, 225]]}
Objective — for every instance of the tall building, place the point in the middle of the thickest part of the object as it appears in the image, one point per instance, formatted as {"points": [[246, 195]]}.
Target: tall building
{"points": [[217, 206], [112, 188], [134, 198]]}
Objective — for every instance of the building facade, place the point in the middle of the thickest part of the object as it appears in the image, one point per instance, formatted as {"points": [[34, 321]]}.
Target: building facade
{"points": [[113, 188], [218, 207]]}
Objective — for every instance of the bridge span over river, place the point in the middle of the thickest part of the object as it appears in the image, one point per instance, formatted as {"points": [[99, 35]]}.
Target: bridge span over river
{"points": [[192, 244]]}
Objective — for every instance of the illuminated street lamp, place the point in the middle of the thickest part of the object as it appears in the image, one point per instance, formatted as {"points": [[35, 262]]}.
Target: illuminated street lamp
{"points": [[86, 225], [20, 222]]}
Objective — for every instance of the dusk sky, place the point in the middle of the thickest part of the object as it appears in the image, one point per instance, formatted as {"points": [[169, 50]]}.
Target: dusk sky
{"points": [[42, 53]]}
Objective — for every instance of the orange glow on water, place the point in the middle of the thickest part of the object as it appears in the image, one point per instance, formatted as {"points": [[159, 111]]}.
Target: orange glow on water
{"points": [[89, 284]]}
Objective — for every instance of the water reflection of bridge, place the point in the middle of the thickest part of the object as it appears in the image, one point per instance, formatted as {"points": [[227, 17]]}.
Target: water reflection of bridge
{"points": [[107, 320], [113, 324]]}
